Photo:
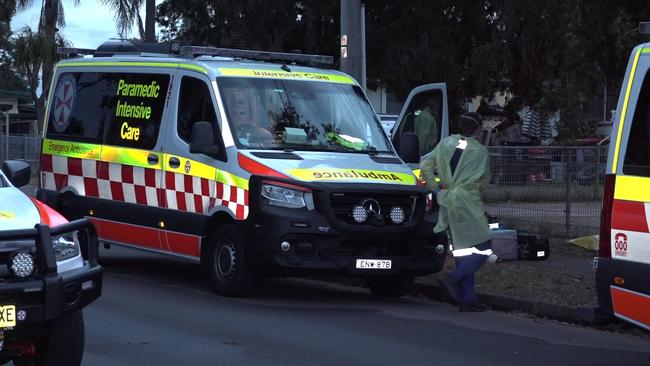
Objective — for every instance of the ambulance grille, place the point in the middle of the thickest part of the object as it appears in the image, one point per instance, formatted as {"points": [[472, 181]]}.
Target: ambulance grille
{"points": [[343, 204]]}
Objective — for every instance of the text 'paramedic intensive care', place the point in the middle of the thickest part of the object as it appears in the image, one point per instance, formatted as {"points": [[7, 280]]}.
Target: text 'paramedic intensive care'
{"points": [[137, 111]]}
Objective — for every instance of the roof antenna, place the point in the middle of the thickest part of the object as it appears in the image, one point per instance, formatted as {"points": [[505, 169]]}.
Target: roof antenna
{"points": [[285, 68]]}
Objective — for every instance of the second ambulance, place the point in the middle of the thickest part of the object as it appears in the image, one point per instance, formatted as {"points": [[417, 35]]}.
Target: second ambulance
{"points": [[623, 265]]}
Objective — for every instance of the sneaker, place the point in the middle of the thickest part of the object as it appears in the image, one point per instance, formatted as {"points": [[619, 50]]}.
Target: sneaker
{"points": [[450, 285], [476, 307]]}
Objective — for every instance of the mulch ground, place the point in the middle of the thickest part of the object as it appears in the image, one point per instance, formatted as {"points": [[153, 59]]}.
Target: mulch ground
{"points": [[565, 278]]}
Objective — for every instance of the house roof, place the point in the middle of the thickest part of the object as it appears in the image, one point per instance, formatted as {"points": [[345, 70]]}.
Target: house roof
{"points": [[22, 95]]}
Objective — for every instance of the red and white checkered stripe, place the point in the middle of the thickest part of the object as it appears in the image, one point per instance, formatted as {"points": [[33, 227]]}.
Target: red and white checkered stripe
{"points": [[235, 198], [188, 193], [126, 183]]}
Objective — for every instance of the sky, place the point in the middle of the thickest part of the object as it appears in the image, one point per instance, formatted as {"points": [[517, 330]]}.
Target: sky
{"points": [[87, 25]]}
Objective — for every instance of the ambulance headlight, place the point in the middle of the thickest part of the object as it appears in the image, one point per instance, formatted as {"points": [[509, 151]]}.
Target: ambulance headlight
{"points": [[283, 195], [66, 246]]}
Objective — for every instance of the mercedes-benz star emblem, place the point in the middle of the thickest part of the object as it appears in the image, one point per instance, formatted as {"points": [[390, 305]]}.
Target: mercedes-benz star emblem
{"points": [[372, 207]]}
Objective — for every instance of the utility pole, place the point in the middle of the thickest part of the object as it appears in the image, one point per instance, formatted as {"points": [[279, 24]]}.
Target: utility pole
{"points": [[353, 41]]}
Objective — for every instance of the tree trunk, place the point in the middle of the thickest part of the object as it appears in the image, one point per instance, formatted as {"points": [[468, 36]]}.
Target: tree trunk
{"points": [[40, 113], [32, 80], [47, 27], [140, 27], [150, 21]]}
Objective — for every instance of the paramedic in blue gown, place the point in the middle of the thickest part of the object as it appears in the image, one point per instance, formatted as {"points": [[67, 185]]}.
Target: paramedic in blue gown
{"points": [[458, 169]]}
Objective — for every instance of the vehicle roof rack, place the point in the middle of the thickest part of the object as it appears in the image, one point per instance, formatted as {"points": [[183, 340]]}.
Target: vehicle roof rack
{"points": [[114, 47], [74, 52], [292, 58]]}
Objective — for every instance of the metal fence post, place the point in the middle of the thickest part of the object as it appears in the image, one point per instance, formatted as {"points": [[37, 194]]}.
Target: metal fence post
{"points": [[567, 198]]}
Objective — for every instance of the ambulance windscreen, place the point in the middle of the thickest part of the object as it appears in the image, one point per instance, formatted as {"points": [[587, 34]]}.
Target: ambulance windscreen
{"points": [[301, 115]]}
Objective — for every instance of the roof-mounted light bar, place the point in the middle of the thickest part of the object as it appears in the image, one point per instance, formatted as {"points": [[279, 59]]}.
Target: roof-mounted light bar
{"points": [[297, 58], [74, 52], [644, 27]]}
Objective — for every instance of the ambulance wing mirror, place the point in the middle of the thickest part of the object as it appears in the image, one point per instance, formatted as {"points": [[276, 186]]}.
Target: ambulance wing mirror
{"points": [[18, 172], [202, 139], [409, 148]]}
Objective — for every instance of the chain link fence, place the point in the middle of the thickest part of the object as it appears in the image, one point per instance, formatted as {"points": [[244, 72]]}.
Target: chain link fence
{"points": [[556, 191]]}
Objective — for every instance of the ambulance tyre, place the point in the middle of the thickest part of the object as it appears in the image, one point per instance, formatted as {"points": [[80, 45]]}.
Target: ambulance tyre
{"points": [[227, 265], [70, 207], [393, 286], [63, 344]]}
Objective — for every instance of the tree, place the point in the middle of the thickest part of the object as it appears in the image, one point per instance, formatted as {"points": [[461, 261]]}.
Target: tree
{"points": [[9, 79], [280, 25], [8, 9], [558, 55], [31, 51], [554, 55], [127, 13]]}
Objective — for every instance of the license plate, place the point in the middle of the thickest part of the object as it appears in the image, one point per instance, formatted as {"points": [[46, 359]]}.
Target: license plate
{"points": [[7, 316], [374, 263], [541, 254]]}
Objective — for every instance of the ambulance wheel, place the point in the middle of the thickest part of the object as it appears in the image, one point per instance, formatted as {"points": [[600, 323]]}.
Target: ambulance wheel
{"points": [[394, 286], [70, 207], [227, 264], [63, 343]]}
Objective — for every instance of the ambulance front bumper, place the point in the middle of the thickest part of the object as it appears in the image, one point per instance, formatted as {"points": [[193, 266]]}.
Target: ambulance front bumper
{"points": [[295, 241]]}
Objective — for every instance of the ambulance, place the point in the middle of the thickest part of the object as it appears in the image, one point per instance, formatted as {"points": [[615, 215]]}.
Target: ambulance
{"points": [[251, 163], [623, 264]]}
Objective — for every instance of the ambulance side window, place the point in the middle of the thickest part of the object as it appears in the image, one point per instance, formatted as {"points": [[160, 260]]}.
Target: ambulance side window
{"points": [[194, 105], [137, 102], [637, 154], [78, 109]]}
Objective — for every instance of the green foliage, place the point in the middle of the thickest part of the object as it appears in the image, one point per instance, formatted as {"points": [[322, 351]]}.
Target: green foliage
{"points": [[280, 25], [9, 78], [551, 54]]}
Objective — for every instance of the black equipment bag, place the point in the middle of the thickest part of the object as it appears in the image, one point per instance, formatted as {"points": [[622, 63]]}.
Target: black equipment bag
{"points": [[532, 246]]}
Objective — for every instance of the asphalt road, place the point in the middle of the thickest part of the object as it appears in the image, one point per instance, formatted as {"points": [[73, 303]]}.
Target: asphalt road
{"points": [[159, 311]]}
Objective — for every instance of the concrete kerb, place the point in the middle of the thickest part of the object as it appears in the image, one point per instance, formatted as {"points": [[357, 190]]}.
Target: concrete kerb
{"points": [[504, 303]]}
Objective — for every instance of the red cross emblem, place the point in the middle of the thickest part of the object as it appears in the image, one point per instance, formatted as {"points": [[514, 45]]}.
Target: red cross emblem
{"points": [[63, 102]]}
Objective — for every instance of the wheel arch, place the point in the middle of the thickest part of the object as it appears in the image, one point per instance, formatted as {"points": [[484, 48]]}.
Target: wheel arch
{"points": [[217, 220]]}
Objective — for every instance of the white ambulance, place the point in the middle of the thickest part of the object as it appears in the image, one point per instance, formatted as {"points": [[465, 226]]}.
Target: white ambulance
{"points": [[243, 160]]}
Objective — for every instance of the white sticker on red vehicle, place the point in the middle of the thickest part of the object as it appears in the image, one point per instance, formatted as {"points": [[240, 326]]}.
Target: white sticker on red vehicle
{"points": [[630, 246]]}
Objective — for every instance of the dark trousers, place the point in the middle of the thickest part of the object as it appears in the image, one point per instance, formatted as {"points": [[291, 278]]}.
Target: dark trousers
{"points": [[466, 266]]}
